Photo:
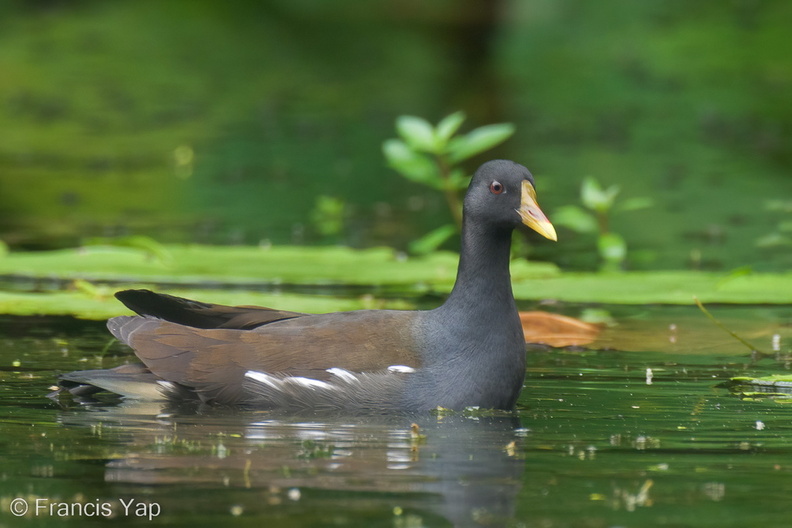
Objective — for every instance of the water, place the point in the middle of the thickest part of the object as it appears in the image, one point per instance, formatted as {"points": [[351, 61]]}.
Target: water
{"points": [[597, 441]]}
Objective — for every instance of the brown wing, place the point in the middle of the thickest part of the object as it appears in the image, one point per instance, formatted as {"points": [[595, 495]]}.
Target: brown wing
{"points": [[199, 314], [214, 361]]}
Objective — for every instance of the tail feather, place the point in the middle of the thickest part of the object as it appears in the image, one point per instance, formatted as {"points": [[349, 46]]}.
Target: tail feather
{"points": [[199, 314], [131, 381], [124, 327]]}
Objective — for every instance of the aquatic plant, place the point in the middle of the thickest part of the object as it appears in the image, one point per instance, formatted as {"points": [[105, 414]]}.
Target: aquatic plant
{"points": [[599, 205], [310, 449], [328, 217], [781, 236], [431, 155]]}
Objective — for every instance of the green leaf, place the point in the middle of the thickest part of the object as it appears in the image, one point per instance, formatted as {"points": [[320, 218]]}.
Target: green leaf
{"points": [[634, 204], [590, 192], [773, 379], [432, 240], [397, 152], [575, 218], [613, 249], [785, 227], [597, 316], [458, 180], [775, 386], [328, 214], [91, 290], [736, 273], [773, 240], [478, 140], [448, 126], [417, 132], [143, 243], [610, 197], [783, 206], [596, 198], [412, 165]]}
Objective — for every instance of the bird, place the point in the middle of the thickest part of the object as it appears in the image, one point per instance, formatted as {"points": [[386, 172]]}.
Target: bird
{"points": [[467, 352]]}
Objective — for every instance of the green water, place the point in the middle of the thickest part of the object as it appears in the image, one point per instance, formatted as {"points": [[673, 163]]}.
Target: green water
{"points": [[592, 444]]}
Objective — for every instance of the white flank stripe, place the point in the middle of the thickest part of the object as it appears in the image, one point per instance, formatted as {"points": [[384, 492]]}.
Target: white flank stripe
{"points": [[308, 382], [343, 374], [402, 369], [266, 379]]}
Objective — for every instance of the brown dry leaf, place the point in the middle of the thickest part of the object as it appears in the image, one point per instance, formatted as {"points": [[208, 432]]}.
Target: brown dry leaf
{"points": [[557, 330]]}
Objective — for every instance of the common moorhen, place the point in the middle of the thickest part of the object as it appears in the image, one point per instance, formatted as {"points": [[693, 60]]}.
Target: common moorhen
{"points": [[468, 352]]}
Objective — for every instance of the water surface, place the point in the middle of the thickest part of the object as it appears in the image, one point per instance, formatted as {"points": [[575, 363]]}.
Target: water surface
{"points": [[632, 431]]}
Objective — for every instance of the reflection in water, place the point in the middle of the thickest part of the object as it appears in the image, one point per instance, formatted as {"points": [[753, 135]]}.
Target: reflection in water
{"points": [[605, 448], [463, 470]]}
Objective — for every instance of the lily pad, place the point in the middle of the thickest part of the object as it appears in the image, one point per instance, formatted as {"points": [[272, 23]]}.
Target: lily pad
{"points": [[86, 306], [557, 330], [202, 269], [195, 264], [777, 386], [659, 287]]}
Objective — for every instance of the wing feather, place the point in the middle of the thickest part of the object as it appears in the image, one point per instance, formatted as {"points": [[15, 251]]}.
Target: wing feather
{"points": [[213, 362]]}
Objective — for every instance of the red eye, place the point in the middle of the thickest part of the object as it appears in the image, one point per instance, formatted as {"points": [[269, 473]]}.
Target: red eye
{"points": [[496, 187]]}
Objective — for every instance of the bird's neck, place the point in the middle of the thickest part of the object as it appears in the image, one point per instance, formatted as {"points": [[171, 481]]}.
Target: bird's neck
{"points": [[483, 284], [476, 338]]}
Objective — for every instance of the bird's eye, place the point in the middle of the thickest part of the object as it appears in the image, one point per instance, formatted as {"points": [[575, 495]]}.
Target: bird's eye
{"points": [[496, 187]]}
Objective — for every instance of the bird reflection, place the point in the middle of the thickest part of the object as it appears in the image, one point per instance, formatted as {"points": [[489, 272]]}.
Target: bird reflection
{"points": [[463, 468]]}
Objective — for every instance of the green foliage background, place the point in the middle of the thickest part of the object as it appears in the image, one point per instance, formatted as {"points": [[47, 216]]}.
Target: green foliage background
{"points": [[223, 122]]}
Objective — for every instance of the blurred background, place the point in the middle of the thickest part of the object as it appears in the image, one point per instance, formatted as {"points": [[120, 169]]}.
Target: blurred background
{"points": [[262, 122]]}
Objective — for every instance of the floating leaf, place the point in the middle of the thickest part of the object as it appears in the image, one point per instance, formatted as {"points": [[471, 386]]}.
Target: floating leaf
{"points": [[417, 132], [557, 330], [597, 316], [432, 240], [478, 140], [575, 218], [90, 289], [741, 271], [148, 245], [776, 387], [448, 126]]}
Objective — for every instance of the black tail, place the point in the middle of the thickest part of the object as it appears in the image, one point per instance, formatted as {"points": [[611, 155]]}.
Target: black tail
{"points": [[198, 314], [168, 307]]}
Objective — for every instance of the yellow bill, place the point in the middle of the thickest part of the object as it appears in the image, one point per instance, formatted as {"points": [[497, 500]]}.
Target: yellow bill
{"points": [[532, 215]]}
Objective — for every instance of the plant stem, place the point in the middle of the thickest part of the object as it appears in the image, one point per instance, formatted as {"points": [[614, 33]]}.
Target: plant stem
{"points": [[451, 194], [602, 222], [723, 327]]}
